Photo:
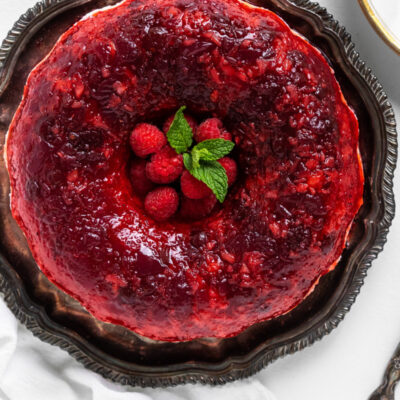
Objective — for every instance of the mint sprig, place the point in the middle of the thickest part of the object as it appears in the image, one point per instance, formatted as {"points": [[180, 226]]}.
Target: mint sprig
{"points": [[213, 149], [180, 135], [198, 155], [202, 160], [212, 173]]}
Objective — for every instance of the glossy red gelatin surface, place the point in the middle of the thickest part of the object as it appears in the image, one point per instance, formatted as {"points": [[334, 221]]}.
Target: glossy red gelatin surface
{"points": [[283, 224]]}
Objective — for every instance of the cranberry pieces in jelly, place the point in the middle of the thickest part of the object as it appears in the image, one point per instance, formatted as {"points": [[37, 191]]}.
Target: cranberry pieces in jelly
{"points": [[194, 268]]}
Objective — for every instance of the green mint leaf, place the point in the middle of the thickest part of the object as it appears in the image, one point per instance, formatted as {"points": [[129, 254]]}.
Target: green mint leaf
{"points": [[197, 155], [187, 161], [180, 135], [215, 149], [213, 174]]}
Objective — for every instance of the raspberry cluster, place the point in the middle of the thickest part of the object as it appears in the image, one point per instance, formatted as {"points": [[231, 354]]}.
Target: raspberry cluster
{"points": [[158, 175]]}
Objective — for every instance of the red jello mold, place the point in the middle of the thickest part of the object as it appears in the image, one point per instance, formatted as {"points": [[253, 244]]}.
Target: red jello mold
{"points": [[283, 224]]}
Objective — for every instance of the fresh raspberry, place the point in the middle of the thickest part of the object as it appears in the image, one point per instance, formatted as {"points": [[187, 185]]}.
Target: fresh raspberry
{"points": [[230, 169], [165, 166], [197, 209], [191, 121], [137, 174], [161, 203], [193, 188], [211, 128], [146, 139]]}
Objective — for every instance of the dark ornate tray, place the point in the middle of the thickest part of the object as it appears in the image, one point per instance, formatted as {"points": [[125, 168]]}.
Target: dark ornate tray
{"points": [[122, 356]]}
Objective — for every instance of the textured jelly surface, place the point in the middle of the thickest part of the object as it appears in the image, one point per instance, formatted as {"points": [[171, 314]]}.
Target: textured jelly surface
{"points": [[284, 222]]}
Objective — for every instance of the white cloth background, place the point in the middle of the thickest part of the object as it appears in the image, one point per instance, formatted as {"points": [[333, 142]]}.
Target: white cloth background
{"points": [[346, 365]]}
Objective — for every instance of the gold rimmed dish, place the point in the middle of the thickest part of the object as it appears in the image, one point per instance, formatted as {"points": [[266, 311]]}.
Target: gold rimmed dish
{"points": [[381, 27]]}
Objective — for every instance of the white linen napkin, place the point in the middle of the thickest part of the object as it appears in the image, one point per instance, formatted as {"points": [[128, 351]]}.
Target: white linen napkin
{"points": [[33, 370]]}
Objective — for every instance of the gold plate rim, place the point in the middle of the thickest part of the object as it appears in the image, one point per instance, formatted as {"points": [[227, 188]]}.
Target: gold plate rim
{"points": [[379, 26]]}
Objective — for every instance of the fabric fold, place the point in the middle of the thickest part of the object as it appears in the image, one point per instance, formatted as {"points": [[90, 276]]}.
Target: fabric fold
{"points": [[33, 370]]}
